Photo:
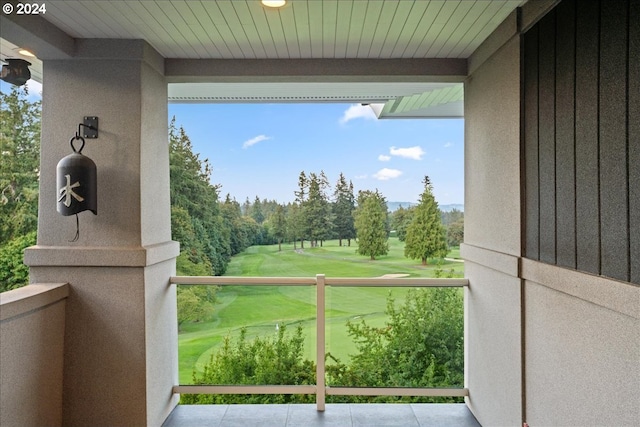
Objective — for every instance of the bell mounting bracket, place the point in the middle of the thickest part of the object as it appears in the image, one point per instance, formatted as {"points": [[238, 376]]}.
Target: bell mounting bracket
{"points": [[90, 127]]}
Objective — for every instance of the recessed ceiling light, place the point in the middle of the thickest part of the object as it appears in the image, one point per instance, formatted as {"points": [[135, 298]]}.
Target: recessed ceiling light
{"points": [[25, 52], [274, 3]]}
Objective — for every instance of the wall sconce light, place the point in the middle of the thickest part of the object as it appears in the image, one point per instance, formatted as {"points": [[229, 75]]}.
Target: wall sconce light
{"points": [[15, 71], [77, 177]]}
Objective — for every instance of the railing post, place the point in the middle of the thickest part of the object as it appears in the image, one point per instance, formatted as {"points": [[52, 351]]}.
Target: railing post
{"points": [[320, 342]]}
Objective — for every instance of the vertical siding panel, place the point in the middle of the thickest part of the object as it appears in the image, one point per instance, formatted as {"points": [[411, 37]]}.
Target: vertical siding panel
{"points": [[565, 135], [613, 140], [587, 173], [532, 201], [546, 131], [634, 139]]}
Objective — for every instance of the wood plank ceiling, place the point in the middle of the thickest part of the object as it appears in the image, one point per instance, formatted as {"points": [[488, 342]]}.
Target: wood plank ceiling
{"points": [[244, 29], [303, 29]]}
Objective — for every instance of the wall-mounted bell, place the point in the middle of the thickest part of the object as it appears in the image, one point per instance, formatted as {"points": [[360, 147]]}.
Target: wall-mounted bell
{"points": [[77, 182]]}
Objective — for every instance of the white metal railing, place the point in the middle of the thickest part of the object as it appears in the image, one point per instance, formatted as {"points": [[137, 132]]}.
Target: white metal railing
{"points": [[321, 390]]}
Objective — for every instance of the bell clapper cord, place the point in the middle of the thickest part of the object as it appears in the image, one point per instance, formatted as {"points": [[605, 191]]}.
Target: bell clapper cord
{"points": [[77, 236]]}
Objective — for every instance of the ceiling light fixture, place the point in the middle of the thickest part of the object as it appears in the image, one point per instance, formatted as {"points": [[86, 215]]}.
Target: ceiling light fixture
{"points": [[25, 52], [274, 3]]}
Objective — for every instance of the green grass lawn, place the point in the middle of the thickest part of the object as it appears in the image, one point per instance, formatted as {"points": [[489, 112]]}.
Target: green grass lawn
{"points": [[260, 309]]}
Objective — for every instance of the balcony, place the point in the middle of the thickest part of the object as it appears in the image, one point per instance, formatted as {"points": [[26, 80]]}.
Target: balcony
{"points": [[336, 414], [33, 330]]}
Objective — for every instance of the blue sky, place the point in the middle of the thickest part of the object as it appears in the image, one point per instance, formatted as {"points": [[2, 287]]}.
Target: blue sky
{"points": [[260, 149]]}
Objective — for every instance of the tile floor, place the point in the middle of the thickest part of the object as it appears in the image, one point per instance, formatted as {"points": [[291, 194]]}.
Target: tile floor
{"points": [[347, 415]]}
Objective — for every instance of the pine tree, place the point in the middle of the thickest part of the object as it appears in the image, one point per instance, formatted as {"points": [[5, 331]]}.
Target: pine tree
{"points": [[425, 234], [301, 199], [317, 210], [256, 211], [371, 224], [191, 190], [343, 208], [279, 225], [293, 223]]}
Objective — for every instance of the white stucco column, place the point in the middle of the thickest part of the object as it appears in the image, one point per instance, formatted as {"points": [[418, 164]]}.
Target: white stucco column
{"points": [[121, 334]]}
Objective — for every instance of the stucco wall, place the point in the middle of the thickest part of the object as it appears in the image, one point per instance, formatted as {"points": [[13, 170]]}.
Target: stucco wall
{"points": [[120, 363], [545, 344], [492, 233], [581, 330], [32, 322], [582, 348]]}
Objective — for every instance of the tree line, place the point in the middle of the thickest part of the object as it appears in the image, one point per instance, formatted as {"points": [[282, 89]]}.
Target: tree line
{"points": [[211, 230], [19, 176], [421, 345]]}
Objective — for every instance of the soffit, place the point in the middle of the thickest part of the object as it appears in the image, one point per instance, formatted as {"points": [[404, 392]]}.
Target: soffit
{"points": [[244, 29], [304, 29]]}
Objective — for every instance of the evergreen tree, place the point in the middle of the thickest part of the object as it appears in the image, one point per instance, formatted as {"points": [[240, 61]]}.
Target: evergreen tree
{"points": [[343, 208], [301, 199], [246, 207], [256, 211], [232, 217], [191, 190], [452, 216], [371, 224], [279, 225], [294, 223], [19, 176], [400, 220], [425, 234], [317, 211], [19, 165], [455, 233]]}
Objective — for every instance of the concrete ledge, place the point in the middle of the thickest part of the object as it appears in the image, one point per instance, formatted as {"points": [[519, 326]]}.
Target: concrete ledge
{"points": [[29, 298], [504, 263], [622, 297], [92, 256]]}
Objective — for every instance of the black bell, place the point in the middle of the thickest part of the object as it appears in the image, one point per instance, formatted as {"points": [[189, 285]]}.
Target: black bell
{"points": [[77, 183]]}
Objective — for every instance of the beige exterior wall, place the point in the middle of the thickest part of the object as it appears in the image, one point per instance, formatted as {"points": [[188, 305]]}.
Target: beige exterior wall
{"points": [[582, 348], [120, 342], [32, 325], [544, 344], [493, 365]]}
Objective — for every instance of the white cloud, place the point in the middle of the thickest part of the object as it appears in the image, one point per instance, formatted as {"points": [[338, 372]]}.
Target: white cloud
{"points": [[35, 90], [254, 141], [357, 111], [414, 153], [384, 158], [361, 177], [448, 144], [386, 174]]}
